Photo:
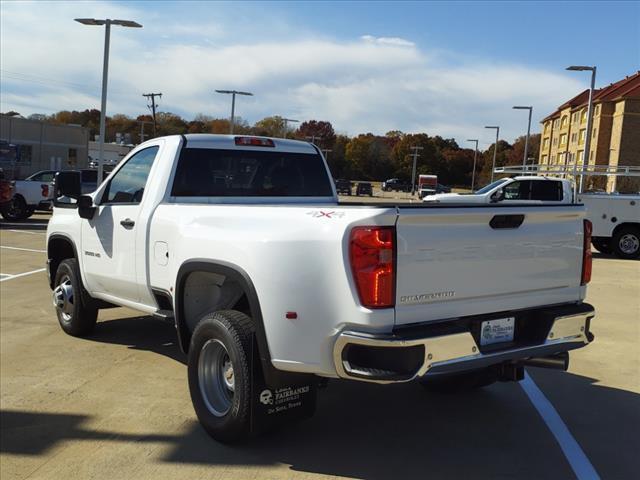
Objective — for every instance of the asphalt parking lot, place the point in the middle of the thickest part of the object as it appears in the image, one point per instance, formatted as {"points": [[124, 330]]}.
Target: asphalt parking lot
{"points": [[116, 405]]}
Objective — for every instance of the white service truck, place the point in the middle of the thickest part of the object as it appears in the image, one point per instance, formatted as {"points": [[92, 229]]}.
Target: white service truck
{"points": [[274, 286], [616, 223]]}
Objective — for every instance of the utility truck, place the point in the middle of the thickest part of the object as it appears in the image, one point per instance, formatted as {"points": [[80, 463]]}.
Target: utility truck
{"points": [[427, 185], [274, 286]]}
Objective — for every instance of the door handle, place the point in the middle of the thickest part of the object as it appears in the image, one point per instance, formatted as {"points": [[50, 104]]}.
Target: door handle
{"points": [[127, 223]]}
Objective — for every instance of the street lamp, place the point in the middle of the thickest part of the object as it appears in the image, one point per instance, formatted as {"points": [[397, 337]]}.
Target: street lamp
{"points": [[495, 149], [286, 121], [233, 94], [526, 141], [587, 140], [475, 156], [105, 69]]}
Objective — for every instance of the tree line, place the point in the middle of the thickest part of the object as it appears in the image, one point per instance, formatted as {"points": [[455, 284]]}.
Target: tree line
{"points": [[365, 156]]}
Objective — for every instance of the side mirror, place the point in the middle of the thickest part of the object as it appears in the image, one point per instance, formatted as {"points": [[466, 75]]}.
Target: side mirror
{"points": [[497, 196], [85, 207], [66, 189]]}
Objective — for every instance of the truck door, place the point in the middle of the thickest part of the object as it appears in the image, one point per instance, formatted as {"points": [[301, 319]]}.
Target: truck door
{"points": [[109, 238]]}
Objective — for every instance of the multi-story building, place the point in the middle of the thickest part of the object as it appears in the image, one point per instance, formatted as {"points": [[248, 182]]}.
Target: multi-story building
{"points": [[615, 139]]}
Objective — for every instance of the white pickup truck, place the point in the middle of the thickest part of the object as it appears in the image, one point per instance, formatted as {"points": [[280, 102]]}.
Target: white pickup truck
{"points": [[33, 193], [521, 189], [273, 286]]}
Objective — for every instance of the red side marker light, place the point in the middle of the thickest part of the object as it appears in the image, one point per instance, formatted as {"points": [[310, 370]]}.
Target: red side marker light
{"points": [[291, 315]]}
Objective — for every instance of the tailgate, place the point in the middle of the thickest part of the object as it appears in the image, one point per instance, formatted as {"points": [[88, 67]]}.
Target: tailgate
{"points": [[452, 263]]}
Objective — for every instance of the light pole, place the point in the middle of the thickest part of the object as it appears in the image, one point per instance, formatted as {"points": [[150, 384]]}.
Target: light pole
{"points": [[233, 94], [495, 149], [105, 71], [526, 141], [286, 121], [475, 156], [587, 140]]}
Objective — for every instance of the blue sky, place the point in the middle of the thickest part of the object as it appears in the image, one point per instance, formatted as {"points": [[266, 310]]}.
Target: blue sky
{"points": [[444, 68]]}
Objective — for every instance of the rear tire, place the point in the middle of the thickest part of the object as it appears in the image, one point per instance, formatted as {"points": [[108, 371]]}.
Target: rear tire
{"points": [[75, 317], [17, 209], [626, 243], [603, 245], [461, 382], [220, 374]]}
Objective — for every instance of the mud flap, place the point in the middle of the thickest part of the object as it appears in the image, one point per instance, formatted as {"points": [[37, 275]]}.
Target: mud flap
{"points": [[291, 400]]}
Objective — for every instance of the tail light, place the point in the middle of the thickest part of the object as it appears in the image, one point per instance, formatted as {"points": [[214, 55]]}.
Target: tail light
{"points": [[586, 253], [372, 256], [45, 190]]}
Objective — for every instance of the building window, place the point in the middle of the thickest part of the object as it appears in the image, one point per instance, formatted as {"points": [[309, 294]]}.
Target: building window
{"points": [[574, 137], [555, 141], [583, 133], [555, 123], [595, 132], [583, 116], [591, 156], [574, 117], [25, 153], [579, 155], [544, 159], [563, 139], [564, 121], [72, 158], [596, 111], [545, 143]]}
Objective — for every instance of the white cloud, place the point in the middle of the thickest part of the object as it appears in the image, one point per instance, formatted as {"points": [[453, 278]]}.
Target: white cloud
{"points": [[368, 84], [396, 41]]}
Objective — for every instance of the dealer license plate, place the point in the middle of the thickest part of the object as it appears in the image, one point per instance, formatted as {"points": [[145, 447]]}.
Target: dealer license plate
{"points": [[497, 330]]}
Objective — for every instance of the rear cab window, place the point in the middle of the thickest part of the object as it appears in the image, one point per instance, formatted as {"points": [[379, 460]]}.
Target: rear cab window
{"points": [[208, 172]]}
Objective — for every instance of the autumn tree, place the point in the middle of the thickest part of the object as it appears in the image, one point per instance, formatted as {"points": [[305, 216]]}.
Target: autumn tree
{"points": [[504, 150], [269, 127], [322, 132]]}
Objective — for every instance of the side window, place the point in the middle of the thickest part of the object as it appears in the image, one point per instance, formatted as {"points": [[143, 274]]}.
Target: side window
{"points": [[549, 191], [517, 190], [127, 186]]}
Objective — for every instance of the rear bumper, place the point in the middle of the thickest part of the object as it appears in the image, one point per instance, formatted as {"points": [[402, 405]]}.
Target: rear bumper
{"points": [[404, 356]]}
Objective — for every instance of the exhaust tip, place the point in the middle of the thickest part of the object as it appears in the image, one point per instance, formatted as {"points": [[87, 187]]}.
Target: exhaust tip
{"points": [[559, 361]]}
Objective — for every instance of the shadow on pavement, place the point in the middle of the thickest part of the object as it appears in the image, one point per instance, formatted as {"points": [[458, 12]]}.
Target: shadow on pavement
{"points": [[398, 431], [28, 224]]}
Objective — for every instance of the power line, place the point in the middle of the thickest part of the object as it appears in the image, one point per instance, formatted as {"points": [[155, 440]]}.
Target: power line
{"points": [[153, 106]]}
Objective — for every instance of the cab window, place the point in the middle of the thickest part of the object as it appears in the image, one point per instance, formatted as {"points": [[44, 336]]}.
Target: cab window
{"points": [[518, 190], [549, 191], [127, 186]]}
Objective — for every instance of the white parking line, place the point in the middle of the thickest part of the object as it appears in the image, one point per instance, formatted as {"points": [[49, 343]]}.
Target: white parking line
{"points": [[6, 276], [23, 249], [573, 453]]}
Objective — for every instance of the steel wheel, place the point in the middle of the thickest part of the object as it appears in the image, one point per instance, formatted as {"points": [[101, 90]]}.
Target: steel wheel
{"points": [[629, 243], [63, 298], [216, 377]]}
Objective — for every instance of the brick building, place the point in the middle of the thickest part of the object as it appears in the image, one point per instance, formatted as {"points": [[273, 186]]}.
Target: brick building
{"points": [[615, 138]]}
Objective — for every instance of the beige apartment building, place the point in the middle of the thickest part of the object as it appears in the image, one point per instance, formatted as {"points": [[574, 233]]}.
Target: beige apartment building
{"points": [[615, 139]]}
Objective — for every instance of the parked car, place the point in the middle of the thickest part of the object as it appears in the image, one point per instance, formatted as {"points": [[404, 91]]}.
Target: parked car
{"points": [[394, 184], [523, 189], [343, 187], [364, 188], [272, 284]]}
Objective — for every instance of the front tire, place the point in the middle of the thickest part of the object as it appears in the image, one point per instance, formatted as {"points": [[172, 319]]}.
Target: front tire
{"points": [[220, 374], [626, 243], [75, 317]]}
